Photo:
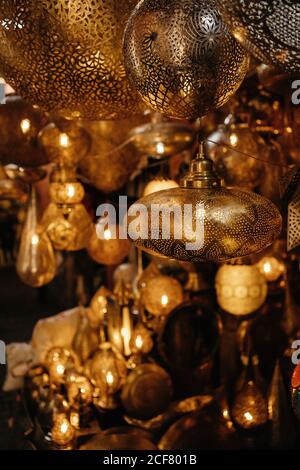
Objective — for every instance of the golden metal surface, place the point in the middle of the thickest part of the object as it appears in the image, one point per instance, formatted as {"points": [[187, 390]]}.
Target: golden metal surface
{"points": [[181, 57], [67, 56]]}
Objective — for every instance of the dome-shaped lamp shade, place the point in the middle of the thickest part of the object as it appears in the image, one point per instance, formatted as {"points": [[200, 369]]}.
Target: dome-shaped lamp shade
{"points": [[181, 57], [202, 221], [269, 30], [66, 56]]}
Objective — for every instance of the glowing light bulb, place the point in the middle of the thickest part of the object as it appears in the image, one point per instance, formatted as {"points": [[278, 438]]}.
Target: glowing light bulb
{"points": [[36, 262], [267, 267], [63, 432], [60, 369], [139, 342], [71, 190], [109, 378], [248, 416], [233, 139], [107, 234], [160, 148], [64, 140], [25, 125]]}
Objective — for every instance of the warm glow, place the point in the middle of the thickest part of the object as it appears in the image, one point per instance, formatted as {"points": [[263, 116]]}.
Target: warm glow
{"points": [[109, 378], [70, 190], [139, 342], [248, 416], [64, 140], [60, 369], [233, 139], [35, 239], [64, 427], [160, 148], [107, 234], [25, 125], [164, 300], [267, 267]]}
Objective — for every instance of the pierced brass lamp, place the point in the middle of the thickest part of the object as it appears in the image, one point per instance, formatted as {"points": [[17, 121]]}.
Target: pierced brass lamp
{"points": [[269, 30], [66, 56], [181, 57], [202, 221]]}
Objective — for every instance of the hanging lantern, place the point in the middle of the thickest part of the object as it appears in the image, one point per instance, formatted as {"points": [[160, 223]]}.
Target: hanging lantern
{"points": [[181, 57], [271, 268], [20, 124], [201, 221], [66, 145], [235, 168], [36, 262], [161, 295], [80, 392], [66, 57], [109, 250], [249, 409], [112, 157], [102, 304], [162, 139], [241, 289], [62, 433], [58, 361], [269, 30], [141, 342], [69, 227], [108, 371], [159, 184]]}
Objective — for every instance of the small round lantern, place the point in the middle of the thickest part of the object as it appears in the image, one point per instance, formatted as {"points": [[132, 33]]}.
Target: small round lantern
{"points": [[161, 295], [69, 227], [20, 124], [62, 433], [109, 250], [108, 372], [66, 145], [241, 289]]}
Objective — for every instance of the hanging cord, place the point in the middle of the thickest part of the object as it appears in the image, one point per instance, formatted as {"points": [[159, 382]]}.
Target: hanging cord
{"points": [[247, 154], [161, 161]]}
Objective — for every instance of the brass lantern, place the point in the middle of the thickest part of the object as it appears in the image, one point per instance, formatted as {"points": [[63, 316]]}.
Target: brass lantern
{"points": [[181, 57], [241, 289], [202, 221], [20, 124], [110, 162], [269, 30], [66, 56], [237, 169]]}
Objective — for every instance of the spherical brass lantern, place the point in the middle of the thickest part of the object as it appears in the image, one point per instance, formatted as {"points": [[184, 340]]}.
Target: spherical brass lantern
{"points": [[235, 168], [67, 56], [109, 250], [66, 146], [161, 295], [202, 221], [241, 289], [181, 57], [20, 124], [269, 30]]}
